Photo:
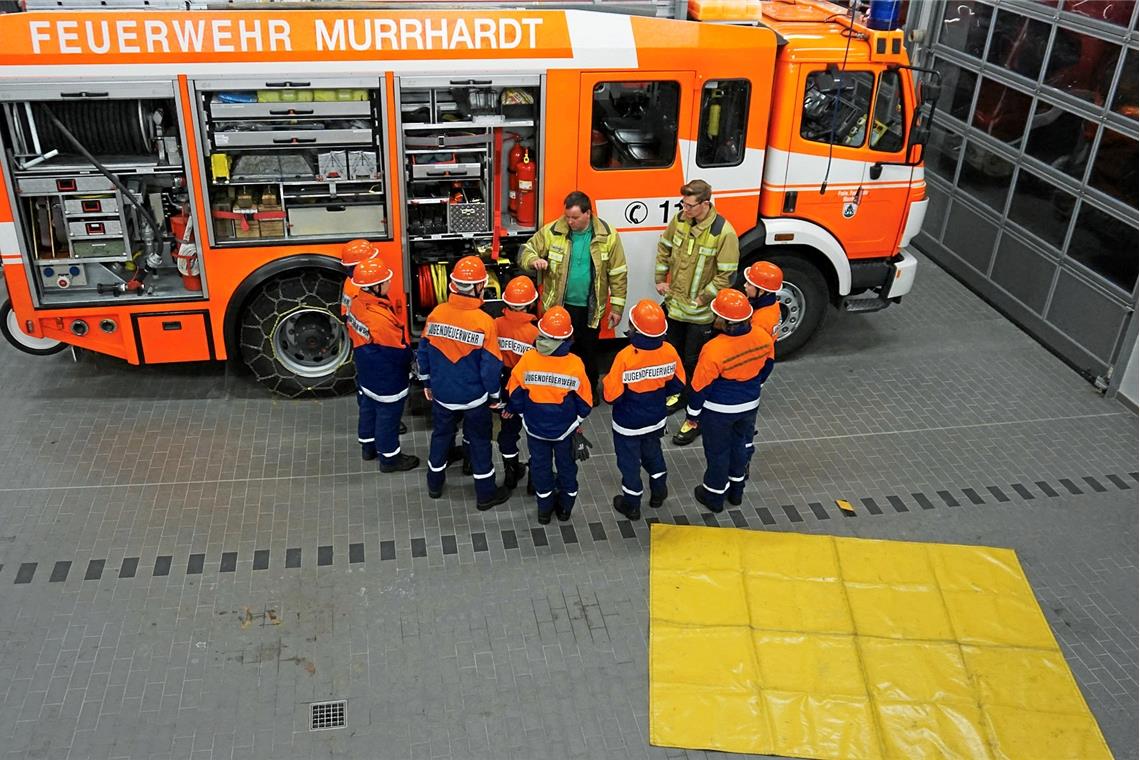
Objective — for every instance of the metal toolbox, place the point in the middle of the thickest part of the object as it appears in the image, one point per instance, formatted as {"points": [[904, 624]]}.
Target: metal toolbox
{"points": [[53, 185], [306, 109], [340, 219], [108, 204], [95, 228], [280, 138], [467, 217]]}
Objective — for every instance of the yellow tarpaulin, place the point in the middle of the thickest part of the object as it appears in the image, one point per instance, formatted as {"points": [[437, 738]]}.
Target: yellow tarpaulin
{"points": [[824, 647]]}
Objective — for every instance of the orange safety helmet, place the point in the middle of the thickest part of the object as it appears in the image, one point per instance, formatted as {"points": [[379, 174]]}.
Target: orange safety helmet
{"points": [[765, 275], [469, 270], [520, 292], [732, 305], [648, 318], [556, 324], [371, 272], [355, 251]]}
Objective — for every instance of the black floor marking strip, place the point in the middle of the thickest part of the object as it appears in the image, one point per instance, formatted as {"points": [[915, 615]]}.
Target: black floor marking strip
{"points": [[355, 553], [652, 520], [597, 531], [568, 534], [478, 542], [1046, 489], [538, 536], [59, 572], [948, 498], [162, 565], [1118, 482], [625, 527], [998, 494], [195, 563], [738, 518], [792, 513], [510, 541], [261, 559], [387, 550], [26, 572], [922, 500], [325, 554], [129, 567], [1095, 484], [872, 507], [973, 496], [1071, 486], [293, 557], [419, 549], [765, 516], [897, 503], [1134, 475], [228, 563], [1023, 492], [447, 543], [94, 569], [710, 519], [818, 510]]}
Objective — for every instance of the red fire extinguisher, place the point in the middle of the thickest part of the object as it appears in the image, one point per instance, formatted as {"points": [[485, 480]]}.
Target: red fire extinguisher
{"points": [[527, 200], [514, 158]]}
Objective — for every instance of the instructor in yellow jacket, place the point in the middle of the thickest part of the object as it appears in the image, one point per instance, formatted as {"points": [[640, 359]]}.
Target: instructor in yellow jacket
{"points": [[580, 265]]}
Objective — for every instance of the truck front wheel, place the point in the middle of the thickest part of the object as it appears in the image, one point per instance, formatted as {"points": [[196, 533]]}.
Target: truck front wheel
{"points": [[803, 300], [29, 344], [293, 339]]}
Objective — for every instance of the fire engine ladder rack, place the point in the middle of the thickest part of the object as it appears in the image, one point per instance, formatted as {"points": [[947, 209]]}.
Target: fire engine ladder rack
{"points": [[658, 8]]}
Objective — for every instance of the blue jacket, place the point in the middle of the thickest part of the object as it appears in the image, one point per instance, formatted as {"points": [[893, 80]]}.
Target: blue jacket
{"points": [[730, 371], [644, 374], [382, 356], [459, 359], [551, 392]]}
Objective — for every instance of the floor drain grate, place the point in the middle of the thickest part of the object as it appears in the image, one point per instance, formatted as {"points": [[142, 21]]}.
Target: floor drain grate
{"points": [[326, 715]]}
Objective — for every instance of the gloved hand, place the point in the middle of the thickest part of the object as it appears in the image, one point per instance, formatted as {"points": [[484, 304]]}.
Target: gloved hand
{"points": [[582, 446]]}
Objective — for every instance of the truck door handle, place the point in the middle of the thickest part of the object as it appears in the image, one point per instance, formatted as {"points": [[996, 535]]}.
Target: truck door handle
{"points": [[876, 171]]}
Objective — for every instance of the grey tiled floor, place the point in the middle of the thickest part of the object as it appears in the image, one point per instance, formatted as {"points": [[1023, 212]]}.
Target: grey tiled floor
{"points": [[232, 560]]}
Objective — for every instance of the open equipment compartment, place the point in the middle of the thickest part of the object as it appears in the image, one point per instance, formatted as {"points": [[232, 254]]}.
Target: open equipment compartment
{"points": [[99, 183], [290, 160], [462, 138]]}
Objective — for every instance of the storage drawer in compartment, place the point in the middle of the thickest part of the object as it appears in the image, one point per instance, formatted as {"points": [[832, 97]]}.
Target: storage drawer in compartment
{"points": [[173, 337], [290, 137], [340, 219], [90, 228], [81, 206], [446, 170], [50, 185], [361, 108], [90, 249]]}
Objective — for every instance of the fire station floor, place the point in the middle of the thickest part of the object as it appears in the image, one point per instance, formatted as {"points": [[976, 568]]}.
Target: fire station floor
{"points": [[186, 563]]}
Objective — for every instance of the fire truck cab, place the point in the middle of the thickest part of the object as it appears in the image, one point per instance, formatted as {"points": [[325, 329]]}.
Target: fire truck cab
{"points": [[178, 178]]}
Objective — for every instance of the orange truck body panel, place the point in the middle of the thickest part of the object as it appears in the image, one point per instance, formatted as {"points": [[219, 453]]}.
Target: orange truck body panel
{"points": [[182, 46]]}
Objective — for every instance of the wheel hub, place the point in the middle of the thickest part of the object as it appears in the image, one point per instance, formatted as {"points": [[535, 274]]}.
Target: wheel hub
{"points": [[310, 341], [791, 300]]}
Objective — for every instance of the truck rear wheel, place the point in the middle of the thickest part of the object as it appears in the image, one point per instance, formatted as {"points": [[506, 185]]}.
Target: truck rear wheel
{"points": [[29, 344], [293, 338], [803, 300]]}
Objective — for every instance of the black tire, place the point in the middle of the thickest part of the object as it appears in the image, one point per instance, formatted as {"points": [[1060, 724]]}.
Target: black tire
{"points": [[21, 341], [800, 315], [292, 337]]}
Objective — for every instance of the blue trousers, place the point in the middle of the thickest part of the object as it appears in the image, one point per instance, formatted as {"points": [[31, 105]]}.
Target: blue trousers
{"points": [[509, 431], [725, 438], [379, 425], [633, 453], [477, 435], [545, 456]]}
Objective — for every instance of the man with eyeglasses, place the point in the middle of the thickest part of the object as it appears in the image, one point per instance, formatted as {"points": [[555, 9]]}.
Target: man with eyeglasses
{"points": [[697, 257]]}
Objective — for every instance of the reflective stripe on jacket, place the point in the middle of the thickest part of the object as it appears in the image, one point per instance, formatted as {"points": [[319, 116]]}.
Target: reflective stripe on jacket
{"points": [[644, 374], [459, 359], [730, 371], [551, 393], [607, 266], [380, 351], [517, 333], [347, 293], [698, 260]]}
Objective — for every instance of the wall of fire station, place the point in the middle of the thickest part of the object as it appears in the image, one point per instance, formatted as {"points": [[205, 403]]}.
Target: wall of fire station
{"points": [[1032, 166]]}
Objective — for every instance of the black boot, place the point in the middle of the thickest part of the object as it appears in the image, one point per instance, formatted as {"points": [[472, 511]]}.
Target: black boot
{"points": [[702, 496], [455, 454], [500, 495], [403, 427], [403, 463], [657, 498], [630, 514], [735, 496], [514, 470], [467, 468], [368, 451]]}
